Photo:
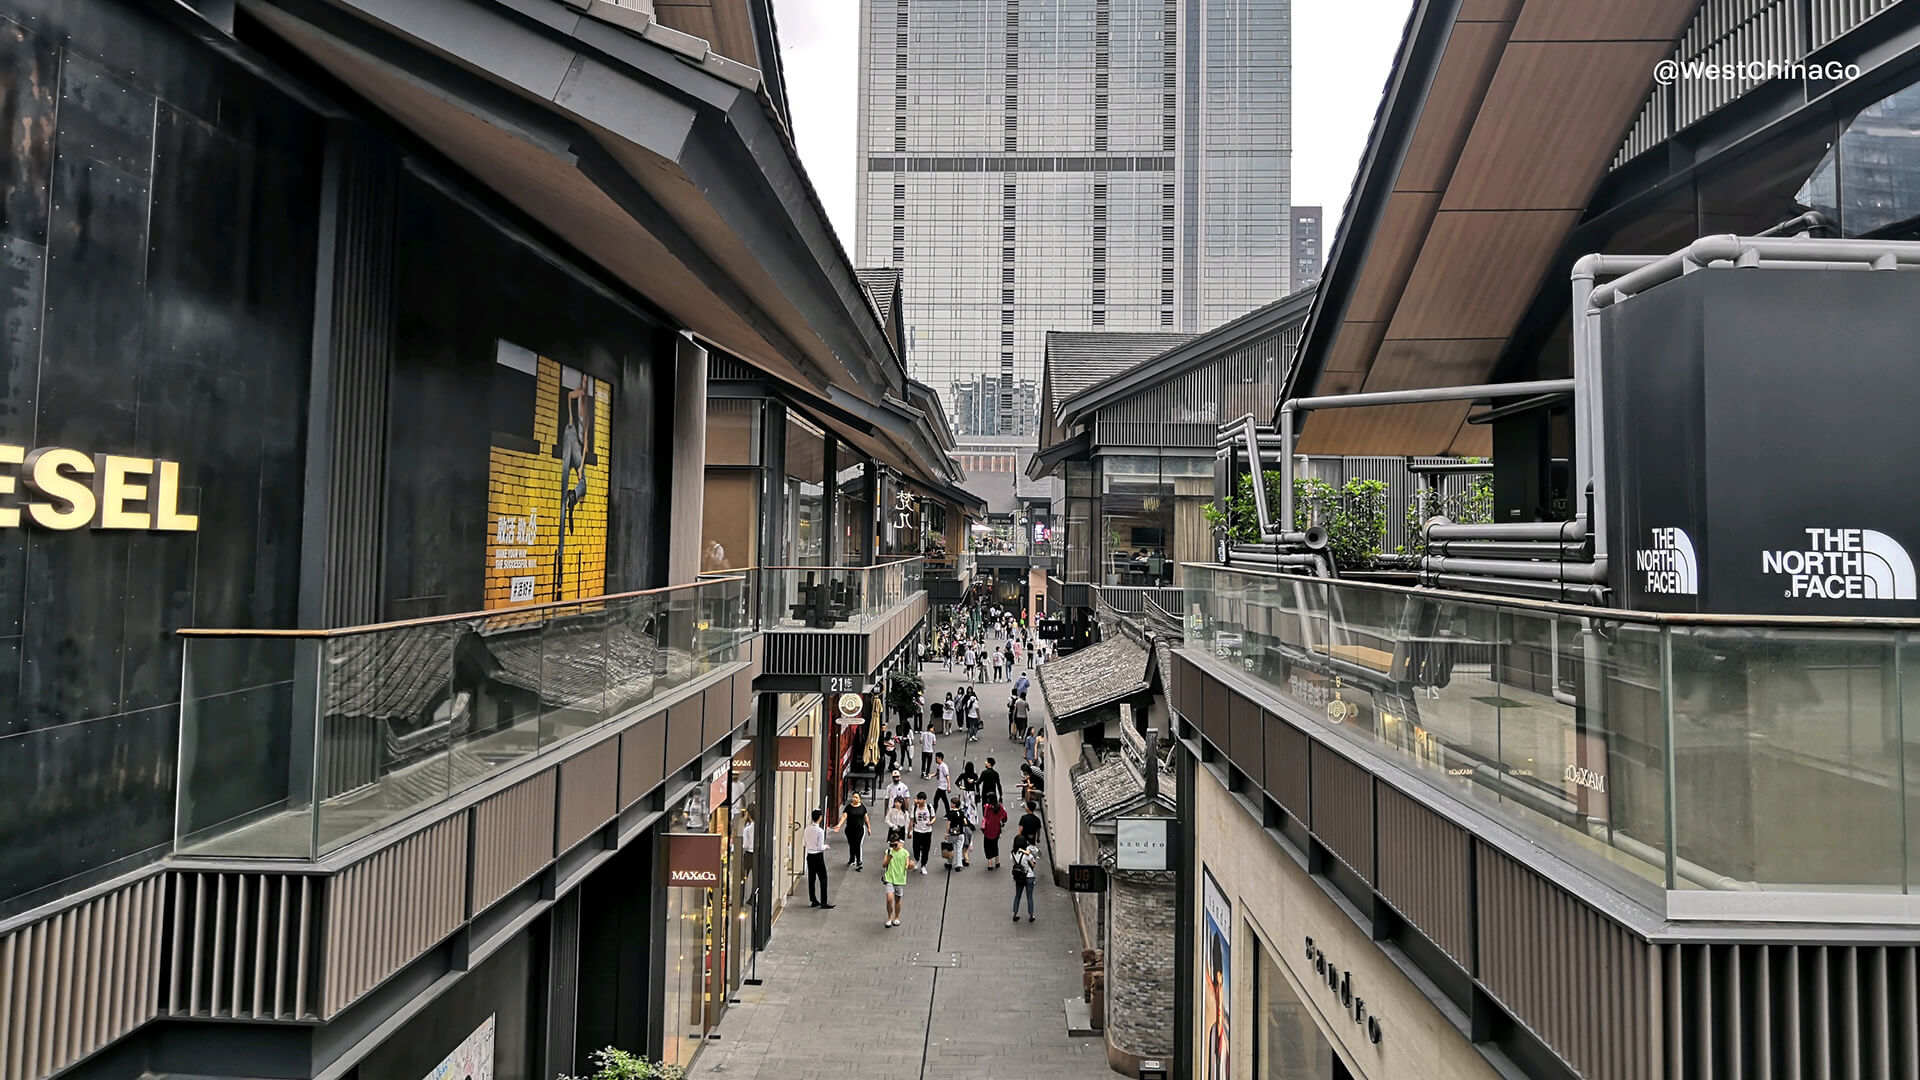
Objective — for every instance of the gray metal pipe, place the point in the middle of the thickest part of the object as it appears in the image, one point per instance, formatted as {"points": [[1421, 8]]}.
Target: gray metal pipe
{"points": [[1561, 531], [1510, 549], [1591, 397], [1432, 393], [1758, 251], [1592, 573], [1286, 473], [1568, 592]]}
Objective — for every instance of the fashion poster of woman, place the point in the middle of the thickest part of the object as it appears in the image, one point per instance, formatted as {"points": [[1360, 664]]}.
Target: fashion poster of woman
{"points": [[546, 480], [1217, 954]]}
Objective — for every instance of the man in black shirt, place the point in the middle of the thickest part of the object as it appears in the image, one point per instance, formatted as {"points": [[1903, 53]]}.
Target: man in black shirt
{"points": [[1030, 821], [990, 784]]}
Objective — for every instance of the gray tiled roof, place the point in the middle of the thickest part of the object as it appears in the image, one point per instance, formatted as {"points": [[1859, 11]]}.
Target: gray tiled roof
{"points": [[880, 283], [1078, 359], [1114, 787], [1094, 676]]}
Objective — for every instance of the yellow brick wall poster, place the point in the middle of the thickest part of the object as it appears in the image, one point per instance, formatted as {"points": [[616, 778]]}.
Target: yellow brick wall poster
{"points": [[546, 481]]}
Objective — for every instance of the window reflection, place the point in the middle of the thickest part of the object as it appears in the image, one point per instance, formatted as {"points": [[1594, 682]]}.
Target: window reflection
{"points": [[1880, 168]]}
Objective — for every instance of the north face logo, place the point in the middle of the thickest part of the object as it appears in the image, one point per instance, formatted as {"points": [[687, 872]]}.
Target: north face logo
{"points": [[1670, 566], [1852, 564]]}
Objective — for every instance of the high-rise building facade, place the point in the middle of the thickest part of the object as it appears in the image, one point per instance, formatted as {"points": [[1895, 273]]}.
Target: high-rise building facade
{"points": [[1039, 165], [1305, 244]]}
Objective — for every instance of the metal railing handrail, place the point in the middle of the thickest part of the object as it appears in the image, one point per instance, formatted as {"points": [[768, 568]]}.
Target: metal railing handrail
{"points": [[1587, 611], [429, 620], [871, 566]]}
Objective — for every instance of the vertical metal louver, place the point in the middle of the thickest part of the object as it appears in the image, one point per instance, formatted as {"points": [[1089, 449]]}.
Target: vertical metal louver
{"points": [[244, 946], [77, 980]]}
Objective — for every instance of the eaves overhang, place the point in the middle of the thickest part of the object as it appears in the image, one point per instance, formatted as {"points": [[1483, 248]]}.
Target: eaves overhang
{"points": [[1496, 127], [1074, 448], [1185, 357], [656, 160]]}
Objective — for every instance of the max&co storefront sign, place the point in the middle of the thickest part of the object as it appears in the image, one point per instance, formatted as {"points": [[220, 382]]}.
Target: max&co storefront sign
{"points": [[63, 489], [793, 753], [694, 860]]}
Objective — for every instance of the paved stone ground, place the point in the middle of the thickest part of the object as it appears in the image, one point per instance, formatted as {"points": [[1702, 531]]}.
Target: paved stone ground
{"points": [[842, 996]]}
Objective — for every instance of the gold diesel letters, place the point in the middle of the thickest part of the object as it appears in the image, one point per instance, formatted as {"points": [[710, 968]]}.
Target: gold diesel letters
{"points": [[66, 489]]}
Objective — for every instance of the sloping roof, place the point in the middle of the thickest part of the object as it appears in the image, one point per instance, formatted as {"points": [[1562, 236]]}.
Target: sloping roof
{"points": [[1098, 675], [1116, 786], [1186, 355], [1498, 122], [883, 285], [1077, 360]]}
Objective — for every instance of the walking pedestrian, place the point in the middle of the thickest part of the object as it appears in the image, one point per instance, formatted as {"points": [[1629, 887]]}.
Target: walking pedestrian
{"points": [[1030, 822], [816, 841], [990, 782], [973, 719], [1030, 745], [1022, 713], [1025, 866], [968, 782], [942, 781], [926, 754], [895, 875], [899, 820], [993, 818], [853, 822], [970, 817], [922, 831], [951, 841]]}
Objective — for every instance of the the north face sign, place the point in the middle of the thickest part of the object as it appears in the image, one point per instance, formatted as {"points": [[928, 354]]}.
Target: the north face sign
{"points": [[1851, 564]]}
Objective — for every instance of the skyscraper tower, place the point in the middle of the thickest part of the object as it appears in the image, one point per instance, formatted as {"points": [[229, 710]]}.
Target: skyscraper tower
{"points": [[1039, 165]]}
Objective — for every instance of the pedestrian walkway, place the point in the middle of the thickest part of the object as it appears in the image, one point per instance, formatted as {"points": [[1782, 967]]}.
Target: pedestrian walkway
{"points": [[958, 990]]}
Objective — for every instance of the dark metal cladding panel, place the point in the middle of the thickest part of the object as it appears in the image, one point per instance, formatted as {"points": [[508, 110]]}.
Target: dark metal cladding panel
{"points": [[683, 733], [589, 786], [1425, 872], [1342, 795], [1285, 751], [643, 758], [1561, 967], [1213, 713], [721, 714], [1244, 722], [1186, 688]]}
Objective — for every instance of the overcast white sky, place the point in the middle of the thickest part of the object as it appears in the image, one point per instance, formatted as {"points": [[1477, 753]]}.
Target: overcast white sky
{"points": [[1342, 50]]}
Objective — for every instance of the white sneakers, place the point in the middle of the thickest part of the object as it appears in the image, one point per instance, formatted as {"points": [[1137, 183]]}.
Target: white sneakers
{"points": [[893, 922], [923, 870]]}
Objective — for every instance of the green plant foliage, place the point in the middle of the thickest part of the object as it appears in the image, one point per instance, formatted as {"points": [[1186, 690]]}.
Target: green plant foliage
{"points": [[1354, 514], [1474, 506], [904, 688], [620, 1065]]}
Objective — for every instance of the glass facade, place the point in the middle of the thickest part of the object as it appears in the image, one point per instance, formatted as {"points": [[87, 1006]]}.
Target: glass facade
{"points": [[806, 530], [730, 512], [1040, 165], [1287, 1044], [706, 928]]}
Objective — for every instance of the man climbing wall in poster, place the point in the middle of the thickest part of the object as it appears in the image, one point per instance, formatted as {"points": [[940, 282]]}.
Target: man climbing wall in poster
{"points": [[546, 481]]}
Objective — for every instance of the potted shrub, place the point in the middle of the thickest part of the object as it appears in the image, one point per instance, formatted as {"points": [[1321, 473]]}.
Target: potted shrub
{"points": [[620, 1065]]}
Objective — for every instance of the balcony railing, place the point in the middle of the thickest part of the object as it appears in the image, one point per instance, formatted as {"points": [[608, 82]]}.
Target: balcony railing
{"points": [[294, 743], [1132, 599], [847, 598], [1712, 756]]}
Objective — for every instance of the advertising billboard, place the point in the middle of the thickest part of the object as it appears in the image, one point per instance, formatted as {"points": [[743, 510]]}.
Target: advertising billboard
{"points": [[1216, 988], [546, 481]]}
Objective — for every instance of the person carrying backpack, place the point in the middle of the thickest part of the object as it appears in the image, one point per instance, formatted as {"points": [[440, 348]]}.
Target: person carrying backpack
{"points": [[1025, 866]]}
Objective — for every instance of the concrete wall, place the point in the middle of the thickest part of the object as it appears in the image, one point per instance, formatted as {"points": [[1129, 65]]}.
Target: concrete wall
{"points": [[1064, 827], [1276, 906]]}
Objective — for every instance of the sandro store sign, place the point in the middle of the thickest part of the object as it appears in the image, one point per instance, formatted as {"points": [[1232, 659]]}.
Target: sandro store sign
{"points": [[54, 487]]}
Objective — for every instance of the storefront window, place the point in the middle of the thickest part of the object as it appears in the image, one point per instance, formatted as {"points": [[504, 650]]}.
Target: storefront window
{"points": [[730, 518], [855, 515], [1136, 517], [806, 493], [795, 795], [700, 970], [1287, 1045]]}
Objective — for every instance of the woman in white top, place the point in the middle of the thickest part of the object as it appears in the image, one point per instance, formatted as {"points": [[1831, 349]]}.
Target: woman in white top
{"points": [[898, 819]]}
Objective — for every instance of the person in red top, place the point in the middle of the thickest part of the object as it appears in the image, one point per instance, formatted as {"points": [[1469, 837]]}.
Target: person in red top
{"points": [[993, 818]]}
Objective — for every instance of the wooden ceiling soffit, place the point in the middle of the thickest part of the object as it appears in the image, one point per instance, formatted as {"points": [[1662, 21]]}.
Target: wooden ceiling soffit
{"points": [[1390, 258], [1446, 117], [1553, 119], [1389, 429], [1417, 365], [1605, 20], [1478, 272]]}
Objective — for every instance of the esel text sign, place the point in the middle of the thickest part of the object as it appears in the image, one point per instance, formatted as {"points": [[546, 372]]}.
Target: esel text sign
{"points": [[55, 487]]}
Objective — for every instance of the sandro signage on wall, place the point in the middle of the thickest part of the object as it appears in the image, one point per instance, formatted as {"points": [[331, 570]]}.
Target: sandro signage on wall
{"points": [[55, 487]]}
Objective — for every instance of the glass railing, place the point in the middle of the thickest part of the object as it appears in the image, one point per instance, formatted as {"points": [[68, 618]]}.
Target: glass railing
{"points": [[1697, 752], [296, 742], [837, 597]]}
